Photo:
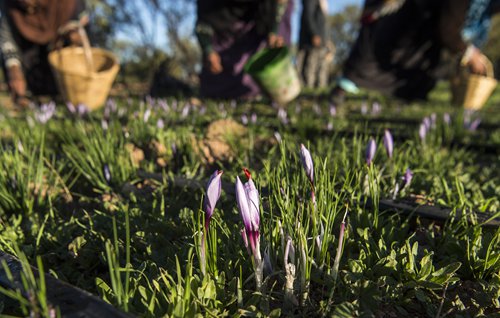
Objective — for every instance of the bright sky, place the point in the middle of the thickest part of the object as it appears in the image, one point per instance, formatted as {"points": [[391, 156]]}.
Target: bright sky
{"points": [[333, 7]]}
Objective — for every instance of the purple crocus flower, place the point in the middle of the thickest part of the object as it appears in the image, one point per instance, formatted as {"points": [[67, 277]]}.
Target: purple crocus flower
{"points": [[427, 122], [146, 115], [213, 195], [307, 163], [253, 118], [364, 108], [45, 112], [447, 119], [185, 111], [111, 105], [474, 124], [247, 198], [468, 116], [82, 109], [371, 148], [107, 173], [244, 119], [71, 107], [121, 112], [433, 120], [333, 110], [283, 116], [388, 143], [202, 110], [164, 105], [422, 131], [329, 126], [376, 108], [149, 101], [160, 124], [277, 136], [245, 240], [407, 177], [104, 124]]}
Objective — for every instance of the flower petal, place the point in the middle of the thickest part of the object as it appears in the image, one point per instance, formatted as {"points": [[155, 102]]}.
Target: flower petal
{"points": [[213, 192], [388, 143], [371, 148], [253, 204], [243, 206], [307, 163]]}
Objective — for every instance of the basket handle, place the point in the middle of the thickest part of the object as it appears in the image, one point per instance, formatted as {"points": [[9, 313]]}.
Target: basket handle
{"points": [[86, 48], [489, 66], [78, 25]]}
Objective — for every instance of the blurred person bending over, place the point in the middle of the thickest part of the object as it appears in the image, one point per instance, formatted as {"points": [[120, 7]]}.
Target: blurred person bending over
{"points": [[229, 33], [314, 46], [29, 30], [405, 46]]}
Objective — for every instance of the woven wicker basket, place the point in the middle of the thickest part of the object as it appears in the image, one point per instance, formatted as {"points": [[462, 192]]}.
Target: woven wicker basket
{"points": [[84, 74], [471, 91]]}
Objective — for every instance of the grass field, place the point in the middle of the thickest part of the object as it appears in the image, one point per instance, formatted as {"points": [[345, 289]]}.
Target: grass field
{"points": [[113, 202]]}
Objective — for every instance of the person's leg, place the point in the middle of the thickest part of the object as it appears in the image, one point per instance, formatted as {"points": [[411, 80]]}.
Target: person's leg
{"points": [[299, 63], [311, 68], [324, 68]]}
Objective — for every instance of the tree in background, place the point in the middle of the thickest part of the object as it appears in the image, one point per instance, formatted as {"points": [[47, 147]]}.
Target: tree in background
{"points": [[492, 48], [155, 36], [344, 27]]}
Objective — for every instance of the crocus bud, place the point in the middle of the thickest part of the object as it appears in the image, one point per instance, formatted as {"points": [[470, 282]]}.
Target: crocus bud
{"points": [[71, 107], [107, 173], [333, 110], [213, 195], [283, 116], [422, 131], [376, 108], [364, 108], [104, 124], [388, 143], [147, 114], [307, 163], [248, 205], [160, 124], [433, 120], [277, 136], [407, 177], [253, 118], [247, 198], [474, 124], [371, 148], [447, 119], [82, 109], [427, 122]]}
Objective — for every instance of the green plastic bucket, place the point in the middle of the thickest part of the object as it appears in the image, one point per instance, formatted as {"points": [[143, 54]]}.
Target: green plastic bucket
{"points": [[273, 70]]}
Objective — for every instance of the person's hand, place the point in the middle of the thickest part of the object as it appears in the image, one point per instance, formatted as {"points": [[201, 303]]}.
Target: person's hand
{"points": [[275, 40], [214, 63], [71, 31], [477, 62], [74, 38], [316, 40]]}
